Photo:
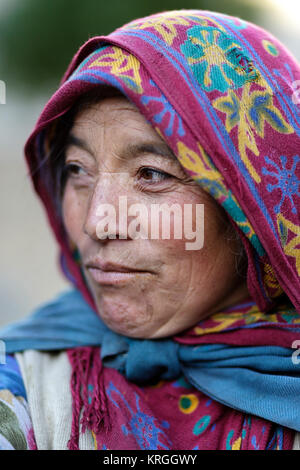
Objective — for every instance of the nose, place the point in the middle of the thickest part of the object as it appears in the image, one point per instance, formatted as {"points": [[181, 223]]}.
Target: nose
{"points": [[101, 221]]}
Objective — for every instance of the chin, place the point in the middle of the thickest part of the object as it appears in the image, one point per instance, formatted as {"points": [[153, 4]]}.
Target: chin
{"points": [[126, 318], [126, 328], [132, 332]]}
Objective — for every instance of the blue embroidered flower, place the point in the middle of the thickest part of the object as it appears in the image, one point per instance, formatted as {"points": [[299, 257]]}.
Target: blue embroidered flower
{"points": [[166, 110], [287, 181], [216, 59], [143, 427]]}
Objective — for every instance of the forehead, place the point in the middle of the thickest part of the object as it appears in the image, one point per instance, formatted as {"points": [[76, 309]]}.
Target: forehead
{"points": [[110, 111], [114, 118], [116, 122]]}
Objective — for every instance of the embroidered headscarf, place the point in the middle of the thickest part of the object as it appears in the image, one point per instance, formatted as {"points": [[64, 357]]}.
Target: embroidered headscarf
{"points": [[220, 91]]}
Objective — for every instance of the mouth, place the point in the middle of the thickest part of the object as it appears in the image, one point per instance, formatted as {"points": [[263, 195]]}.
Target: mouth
{"points": [[107, 273]]}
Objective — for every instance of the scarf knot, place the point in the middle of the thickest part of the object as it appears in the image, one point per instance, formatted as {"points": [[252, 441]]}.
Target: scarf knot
{"points": [[141, 360]]}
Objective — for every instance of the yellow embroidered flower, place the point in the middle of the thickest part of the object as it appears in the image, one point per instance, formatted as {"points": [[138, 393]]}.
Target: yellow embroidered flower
{"points": [[124, 66], [165, 25]]}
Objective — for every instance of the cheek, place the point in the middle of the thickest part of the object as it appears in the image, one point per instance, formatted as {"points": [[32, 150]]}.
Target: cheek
{"points": [[179, 261], [73, 214], [212, 259]]}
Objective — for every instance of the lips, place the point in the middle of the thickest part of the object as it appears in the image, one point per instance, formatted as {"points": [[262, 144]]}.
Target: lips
{"points": [[109, 273], [111, 267]]}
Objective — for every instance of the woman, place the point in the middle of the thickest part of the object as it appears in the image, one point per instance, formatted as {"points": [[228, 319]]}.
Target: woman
{"points": [[164, 342]]}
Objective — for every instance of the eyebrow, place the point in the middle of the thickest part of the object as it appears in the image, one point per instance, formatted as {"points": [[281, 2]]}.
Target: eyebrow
{"points": [[77, 142], [131, 150], [156, 148]]}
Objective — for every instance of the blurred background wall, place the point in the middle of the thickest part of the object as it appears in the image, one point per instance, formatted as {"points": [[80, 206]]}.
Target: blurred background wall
{"points": [[37, 41]]}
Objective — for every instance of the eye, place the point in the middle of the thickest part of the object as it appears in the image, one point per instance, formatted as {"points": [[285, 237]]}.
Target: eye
{"points": [[74, 170], [150, 175]]}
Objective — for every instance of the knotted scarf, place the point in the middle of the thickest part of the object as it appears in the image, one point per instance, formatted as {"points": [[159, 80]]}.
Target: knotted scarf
{"points": [[235, 357]]}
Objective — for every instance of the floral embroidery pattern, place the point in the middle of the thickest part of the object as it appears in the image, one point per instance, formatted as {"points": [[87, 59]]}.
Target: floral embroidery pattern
{"points": [[15, 426], [290, 248], [125, 66], [229, 320], [201, 168], [216, 59], [287, 180], [167, 110], [270, 281], [250, 113], [141, 425], [165, 25], [286, 80]]}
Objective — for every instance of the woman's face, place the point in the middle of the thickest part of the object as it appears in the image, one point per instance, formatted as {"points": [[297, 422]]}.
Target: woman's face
{"points": [[113, 154]]}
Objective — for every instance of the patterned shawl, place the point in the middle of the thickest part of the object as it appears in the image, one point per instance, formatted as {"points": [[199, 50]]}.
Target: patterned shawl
{"points": [[221, 93]]}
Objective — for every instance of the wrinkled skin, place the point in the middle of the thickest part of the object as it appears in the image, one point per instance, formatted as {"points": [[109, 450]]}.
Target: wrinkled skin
{"points": [[178, 287]]}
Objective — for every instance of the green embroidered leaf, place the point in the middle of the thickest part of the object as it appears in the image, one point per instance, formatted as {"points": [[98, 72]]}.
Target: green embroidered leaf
{"points": [[10, 429]]}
